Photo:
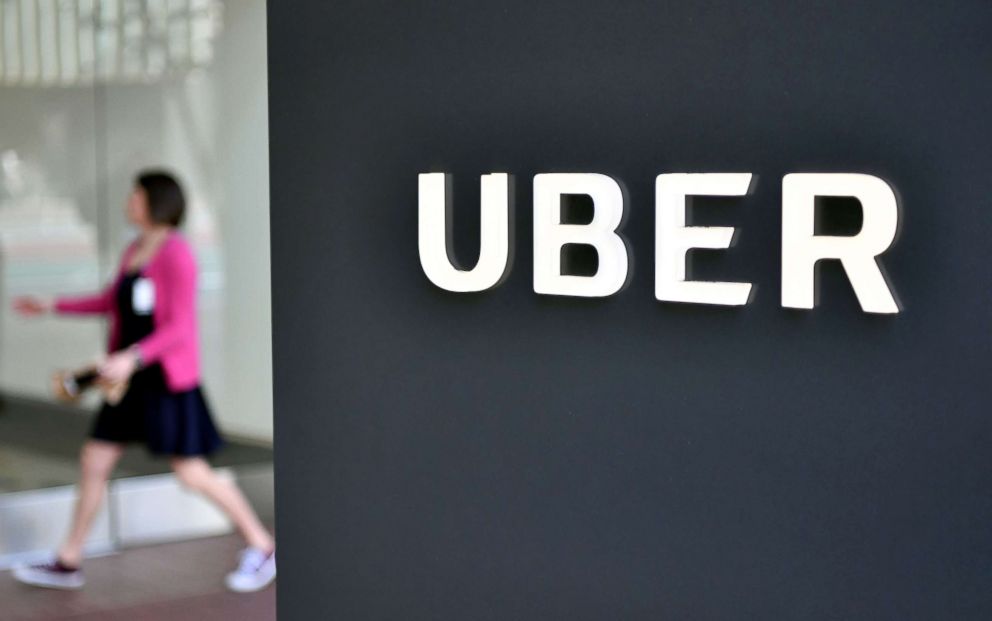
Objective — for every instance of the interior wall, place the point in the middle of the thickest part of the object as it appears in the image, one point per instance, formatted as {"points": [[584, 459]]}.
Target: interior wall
{"points": [[243, 180], [510, 455]]}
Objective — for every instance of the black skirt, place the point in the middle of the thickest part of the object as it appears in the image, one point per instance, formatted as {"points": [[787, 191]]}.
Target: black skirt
{"points": [[168, 423]]}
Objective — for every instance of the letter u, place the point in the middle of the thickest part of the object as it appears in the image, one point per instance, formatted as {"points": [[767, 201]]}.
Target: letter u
{"points": [[494, 246]]}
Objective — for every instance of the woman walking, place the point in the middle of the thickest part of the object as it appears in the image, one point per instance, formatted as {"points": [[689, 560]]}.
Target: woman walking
{"points": [[154, 347]]}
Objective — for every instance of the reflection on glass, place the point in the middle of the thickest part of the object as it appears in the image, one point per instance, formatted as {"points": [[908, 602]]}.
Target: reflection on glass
{"points": [[92, 91]]}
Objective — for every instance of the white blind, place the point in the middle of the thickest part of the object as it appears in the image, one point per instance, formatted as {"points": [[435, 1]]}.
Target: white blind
{"points": [[77, 42]]}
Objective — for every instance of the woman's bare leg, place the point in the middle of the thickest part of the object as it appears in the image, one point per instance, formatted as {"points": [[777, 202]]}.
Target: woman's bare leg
{"points": [[96, 460], [196, 474]]}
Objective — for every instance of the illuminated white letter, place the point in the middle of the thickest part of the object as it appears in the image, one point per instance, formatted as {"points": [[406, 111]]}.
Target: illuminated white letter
{"points": [[494, 235], [550, 234], [673, 239], [802, 248]]}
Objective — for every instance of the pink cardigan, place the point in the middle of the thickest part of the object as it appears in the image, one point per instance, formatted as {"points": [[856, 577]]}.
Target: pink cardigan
{"points": [[174, 343]]}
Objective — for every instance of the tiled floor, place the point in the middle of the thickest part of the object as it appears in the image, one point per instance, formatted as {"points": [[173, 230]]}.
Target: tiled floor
{"points": [[159, 583]]}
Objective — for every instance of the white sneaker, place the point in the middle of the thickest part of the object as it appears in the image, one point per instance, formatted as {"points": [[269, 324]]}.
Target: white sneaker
{"points": [[255, 571], [52, 575]]}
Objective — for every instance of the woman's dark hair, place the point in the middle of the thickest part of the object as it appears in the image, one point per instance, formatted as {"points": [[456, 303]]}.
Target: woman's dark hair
{"points": [[166, 203]]}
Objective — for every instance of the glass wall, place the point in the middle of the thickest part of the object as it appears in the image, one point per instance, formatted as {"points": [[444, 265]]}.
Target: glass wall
{"points": [[91, 91]]}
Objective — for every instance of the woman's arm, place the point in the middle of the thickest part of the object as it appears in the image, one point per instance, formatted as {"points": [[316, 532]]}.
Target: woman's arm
{"points": [[98, 304]]}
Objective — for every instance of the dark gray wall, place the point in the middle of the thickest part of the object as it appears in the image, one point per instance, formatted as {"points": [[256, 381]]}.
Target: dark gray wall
{"points": [[511, 456]]}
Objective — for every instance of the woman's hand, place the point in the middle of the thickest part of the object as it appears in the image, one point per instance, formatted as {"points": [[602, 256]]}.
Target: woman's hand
{"points": [[119, 366], [30, 306]]}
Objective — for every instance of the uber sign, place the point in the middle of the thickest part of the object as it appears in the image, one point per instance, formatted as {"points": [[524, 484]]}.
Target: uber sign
{"points": [[801, 247]]}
